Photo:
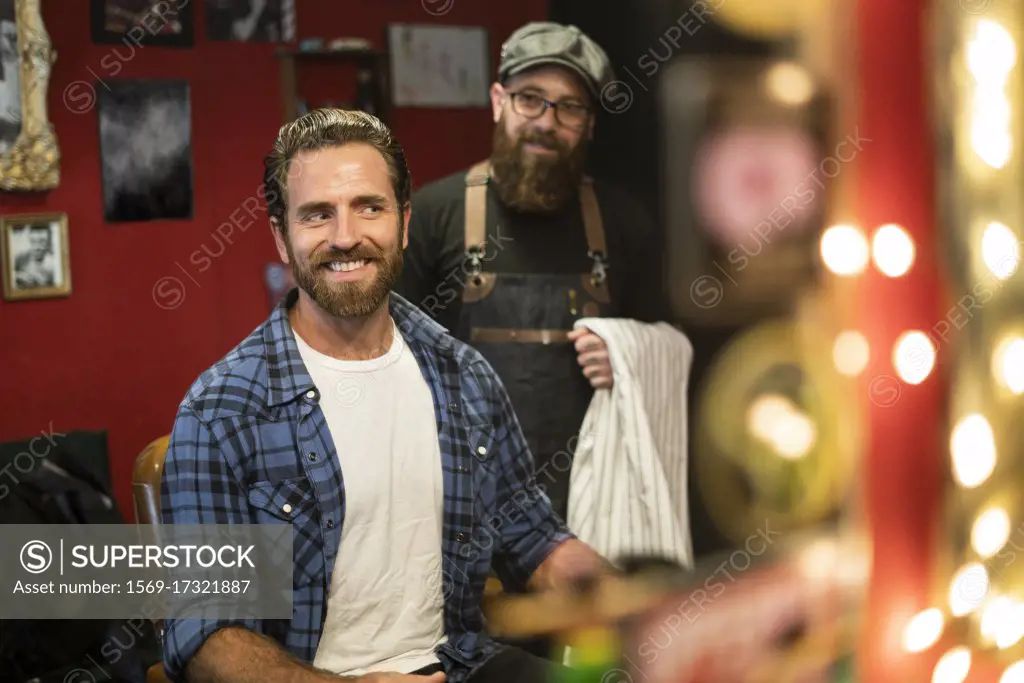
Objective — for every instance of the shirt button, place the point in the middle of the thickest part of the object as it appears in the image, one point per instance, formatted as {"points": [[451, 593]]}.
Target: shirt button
{"points": [[462, 537], [311, 394], [312, 457], [286, 508], [481, 450]]}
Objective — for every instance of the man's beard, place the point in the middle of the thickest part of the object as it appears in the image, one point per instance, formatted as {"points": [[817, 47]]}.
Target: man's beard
{"points": [[348, 299], [530, 182]]}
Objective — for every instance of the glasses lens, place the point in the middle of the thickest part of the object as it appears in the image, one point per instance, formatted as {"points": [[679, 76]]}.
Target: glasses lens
{"points": [[571, 115], [527, 104]]}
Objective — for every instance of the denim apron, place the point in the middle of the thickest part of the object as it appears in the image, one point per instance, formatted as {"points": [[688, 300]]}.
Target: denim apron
{"points": [[520, 323]]}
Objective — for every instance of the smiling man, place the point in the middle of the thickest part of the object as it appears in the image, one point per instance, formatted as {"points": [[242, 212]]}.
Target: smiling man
{"points": [[511, 253], [387, 445]]}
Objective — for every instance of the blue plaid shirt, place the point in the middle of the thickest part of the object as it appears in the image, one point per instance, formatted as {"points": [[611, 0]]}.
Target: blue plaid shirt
{"points": [[250, 445]]}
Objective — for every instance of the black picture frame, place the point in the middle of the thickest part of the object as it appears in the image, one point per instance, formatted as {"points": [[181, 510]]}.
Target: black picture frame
{"points": [[142, 182], [145, 27]]}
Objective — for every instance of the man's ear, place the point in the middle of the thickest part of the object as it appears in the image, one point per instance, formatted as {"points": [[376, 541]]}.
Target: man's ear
{"points": [[406, 215], [497, 100], [276, 228]]}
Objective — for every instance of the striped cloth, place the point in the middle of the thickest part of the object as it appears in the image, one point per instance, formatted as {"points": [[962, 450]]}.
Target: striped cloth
{"points": [[627, 488]]}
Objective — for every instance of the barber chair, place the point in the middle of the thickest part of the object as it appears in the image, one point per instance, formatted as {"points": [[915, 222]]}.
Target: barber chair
{"points": [[149, 469]]}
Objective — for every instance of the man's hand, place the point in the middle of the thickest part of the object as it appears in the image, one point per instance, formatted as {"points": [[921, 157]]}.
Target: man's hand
{"points": [[570, 562], [593, 358]]}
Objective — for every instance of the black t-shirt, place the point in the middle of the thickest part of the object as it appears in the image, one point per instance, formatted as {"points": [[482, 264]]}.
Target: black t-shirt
{"points": [[530, 243]]}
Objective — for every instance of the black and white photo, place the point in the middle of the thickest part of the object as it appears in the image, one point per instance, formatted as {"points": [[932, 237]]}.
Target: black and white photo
{"points": [[251, 21], [143, 22], [10, 78], [146, 150], [35, 256]]}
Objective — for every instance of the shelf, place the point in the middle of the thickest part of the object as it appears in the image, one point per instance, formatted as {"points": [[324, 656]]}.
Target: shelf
{"points": [[289, 60], [288, 53]]}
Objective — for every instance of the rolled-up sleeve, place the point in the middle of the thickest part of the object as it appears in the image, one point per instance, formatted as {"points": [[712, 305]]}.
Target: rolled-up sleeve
{"points": [[198, 487], [530, 529]]}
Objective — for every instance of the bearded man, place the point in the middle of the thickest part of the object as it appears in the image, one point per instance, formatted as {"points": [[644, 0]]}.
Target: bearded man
{"points": [[388, 446], [509, 255]]}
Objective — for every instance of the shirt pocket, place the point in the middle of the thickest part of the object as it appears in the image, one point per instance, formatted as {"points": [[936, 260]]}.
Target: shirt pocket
{"points": [[292, 501]]}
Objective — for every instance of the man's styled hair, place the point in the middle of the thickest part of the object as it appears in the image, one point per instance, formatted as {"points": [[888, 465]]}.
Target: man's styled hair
{"points": [[323, 129]]}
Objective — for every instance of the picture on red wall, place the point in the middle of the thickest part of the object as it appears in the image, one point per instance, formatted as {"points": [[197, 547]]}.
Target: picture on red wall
{"points": [[143, 22], [10, 78], [146, 150], [251, 21], [35, 261]]}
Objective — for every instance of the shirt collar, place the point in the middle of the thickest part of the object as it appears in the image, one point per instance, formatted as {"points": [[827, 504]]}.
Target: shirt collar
{"points": [[287, 374]]}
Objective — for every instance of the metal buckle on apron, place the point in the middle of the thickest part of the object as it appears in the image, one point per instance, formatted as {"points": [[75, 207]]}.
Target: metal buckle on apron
{"points": [[599, 272], [475, 256]]}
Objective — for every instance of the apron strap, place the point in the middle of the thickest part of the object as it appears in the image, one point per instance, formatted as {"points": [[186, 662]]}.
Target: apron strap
{"points": [[592, 222], [476, 206]]}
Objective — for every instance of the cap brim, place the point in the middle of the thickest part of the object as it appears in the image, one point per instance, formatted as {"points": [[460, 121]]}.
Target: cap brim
{"points": [[588, 82]]}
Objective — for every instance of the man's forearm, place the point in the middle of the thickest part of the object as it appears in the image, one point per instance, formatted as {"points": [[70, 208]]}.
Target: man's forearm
{"points": [[237, 655]]}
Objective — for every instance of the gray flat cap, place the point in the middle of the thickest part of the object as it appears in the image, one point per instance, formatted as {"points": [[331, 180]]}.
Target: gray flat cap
{"points": [[543, 42]]}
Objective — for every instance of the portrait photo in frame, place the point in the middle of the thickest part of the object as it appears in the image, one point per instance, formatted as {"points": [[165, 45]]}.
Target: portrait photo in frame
{"points": [[143, 23], [34, 256], [29, 155]]}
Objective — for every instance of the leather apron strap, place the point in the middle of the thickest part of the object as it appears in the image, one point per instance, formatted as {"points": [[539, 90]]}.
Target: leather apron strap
{"points": [[592, 222], [476, 206]]}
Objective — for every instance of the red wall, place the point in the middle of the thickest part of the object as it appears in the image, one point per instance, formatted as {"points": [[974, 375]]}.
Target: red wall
{"points": [[108, 357]]}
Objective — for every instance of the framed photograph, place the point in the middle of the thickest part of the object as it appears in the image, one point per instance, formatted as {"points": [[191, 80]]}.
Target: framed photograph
{"points": [[146, 150], [34, 253], [251, 21], [29, 155], [143, 23], [439, 66]]}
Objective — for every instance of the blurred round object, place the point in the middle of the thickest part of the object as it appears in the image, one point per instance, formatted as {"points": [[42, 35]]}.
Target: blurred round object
{"points": [[754, 184], [774, 435], [765, 20]]}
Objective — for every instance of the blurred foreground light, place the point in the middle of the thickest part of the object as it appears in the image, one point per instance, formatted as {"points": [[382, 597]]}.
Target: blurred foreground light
{"points": [[996, 616], [990, 532], [923, 630], [953, 667], [1000, 250], [991, 57], [789, 84], [844, 250], [766, 411], [991, 53], [973, 450], [850, 353], [1001, 622], [968, 589], [913, 356], [1008, 363], [776, 421], [892, 250], [1014, 673], [990, 136]]}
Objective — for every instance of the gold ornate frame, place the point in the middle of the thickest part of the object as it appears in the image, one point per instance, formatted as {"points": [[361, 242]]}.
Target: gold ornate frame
{"points": [[33, 162]]}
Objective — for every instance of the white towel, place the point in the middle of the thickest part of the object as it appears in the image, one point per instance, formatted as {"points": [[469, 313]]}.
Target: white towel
{"points": [[627, 487]]}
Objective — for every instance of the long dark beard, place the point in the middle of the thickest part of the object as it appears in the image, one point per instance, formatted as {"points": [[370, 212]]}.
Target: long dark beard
{"points": [[527, 182], [348, 299]]}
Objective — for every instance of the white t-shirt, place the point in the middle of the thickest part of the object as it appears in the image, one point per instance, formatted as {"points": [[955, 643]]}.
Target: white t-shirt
{"points": [[385, 608]]}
